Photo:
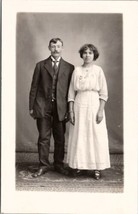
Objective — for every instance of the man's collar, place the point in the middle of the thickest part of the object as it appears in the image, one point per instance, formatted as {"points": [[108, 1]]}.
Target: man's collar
{"points": [[53, 59]]}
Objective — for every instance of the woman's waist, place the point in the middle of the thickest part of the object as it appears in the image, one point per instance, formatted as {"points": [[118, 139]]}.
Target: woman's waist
{"points": [[88, 93], [87, 98]]}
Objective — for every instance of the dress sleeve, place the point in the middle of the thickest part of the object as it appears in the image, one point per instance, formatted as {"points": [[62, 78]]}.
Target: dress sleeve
{"points": [[103, 92], [71, 93]]}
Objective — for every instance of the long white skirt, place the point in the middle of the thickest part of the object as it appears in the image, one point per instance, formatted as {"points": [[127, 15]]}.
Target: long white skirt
{"points": [[88, 146]]}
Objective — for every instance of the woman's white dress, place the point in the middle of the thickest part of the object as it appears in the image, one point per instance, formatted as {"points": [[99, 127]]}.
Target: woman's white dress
{"points": [[88, 141]]}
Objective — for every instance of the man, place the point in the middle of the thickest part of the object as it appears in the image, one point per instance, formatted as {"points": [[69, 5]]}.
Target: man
{"points": [[48, 105]]}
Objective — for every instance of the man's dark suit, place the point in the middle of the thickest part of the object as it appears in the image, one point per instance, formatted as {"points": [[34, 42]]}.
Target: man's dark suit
{"points": [[50, 115]]}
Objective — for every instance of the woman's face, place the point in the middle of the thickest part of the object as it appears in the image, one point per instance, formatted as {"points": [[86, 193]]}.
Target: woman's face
{"points": [[88, 56]]}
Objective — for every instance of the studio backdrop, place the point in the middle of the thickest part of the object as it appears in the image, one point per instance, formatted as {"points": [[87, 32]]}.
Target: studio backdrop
{"points": [[33, 32]]}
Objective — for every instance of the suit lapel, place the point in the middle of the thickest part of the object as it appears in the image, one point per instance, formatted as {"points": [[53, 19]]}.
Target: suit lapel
{"points": [[62, 68], [48, 66]]}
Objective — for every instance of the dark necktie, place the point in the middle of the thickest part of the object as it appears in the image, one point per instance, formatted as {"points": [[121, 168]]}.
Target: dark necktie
{"points": [[55, 67]]}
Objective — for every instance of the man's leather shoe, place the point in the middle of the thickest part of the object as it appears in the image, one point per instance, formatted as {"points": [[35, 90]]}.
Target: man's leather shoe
{"points": [[74, 172], [61, 170], [42, 170]]}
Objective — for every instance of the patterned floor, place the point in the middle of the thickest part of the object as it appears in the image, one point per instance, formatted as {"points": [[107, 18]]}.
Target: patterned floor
{"points": [[111, 180]]}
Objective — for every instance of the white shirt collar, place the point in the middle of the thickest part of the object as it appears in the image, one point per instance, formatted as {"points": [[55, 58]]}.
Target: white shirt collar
{"points": [[54, 59]]}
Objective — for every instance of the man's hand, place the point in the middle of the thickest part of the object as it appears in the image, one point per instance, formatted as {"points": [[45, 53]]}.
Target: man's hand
{"points": [[31, 113], [72, 117], [66, 119], [99, 117]]}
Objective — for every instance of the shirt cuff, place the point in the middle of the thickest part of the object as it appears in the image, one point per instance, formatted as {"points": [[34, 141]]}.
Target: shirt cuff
{"points": [[70, 100], [103, 97]]}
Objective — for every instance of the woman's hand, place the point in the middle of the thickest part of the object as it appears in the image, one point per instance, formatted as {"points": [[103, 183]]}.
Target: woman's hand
{"points": [[72, 117], [99, 117]]}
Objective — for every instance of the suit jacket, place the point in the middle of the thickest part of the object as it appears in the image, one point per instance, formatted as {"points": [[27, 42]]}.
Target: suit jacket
{"points": [[40, 98]]}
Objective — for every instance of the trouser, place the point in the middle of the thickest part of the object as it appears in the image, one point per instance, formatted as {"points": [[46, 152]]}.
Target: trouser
{"points": [[47, 125]]}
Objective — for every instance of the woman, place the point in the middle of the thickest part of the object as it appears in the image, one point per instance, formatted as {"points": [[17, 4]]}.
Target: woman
{"points": [[88, 147]]}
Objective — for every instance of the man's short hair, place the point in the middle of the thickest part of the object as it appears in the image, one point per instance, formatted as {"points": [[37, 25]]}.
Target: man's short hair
{"points": [[54, 40]]}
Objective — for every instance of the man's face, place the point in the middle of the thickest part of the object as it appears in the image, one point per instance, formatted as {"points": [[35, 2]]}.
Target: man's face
{"points": [[56, 49]]}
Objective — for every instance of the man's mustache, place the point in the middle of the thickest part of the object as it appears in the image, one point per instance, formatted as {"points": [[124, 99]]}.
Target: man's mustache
{"points": [[55, 52]]}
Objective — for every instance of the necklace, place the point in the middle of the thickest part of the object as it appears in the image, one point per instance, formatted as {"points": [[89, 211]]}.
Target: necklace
{"points": [[86, 69]]}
